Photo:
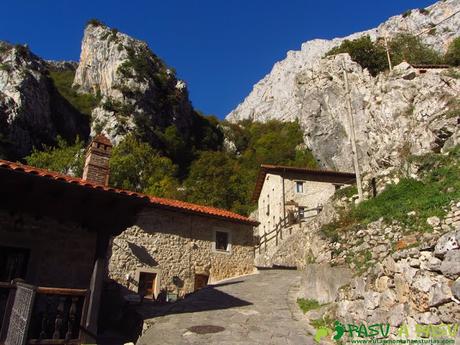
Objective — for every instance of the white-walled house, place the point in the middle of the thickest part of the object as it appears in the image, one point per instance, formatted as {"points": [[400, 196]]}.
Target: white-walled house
{"points": [[283, 191]]}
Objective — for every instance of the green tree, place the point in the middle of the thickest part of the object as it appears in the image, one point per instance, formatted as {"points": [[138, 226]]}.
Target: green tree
{"points": [[136, 166], [452, 56], [212, 180], [366, 53], [64, 158]]}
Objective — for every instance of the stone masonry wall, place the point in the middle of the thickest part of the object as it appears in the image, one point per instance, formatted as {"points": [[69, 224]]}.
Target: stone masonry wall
{"points": [[176, 246], [61, 254]]}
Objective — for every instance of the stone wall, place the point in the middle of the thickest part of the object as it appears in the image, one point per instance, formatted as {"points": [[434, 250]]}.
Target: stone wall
{"points": [[61, 254], [177, 246]]}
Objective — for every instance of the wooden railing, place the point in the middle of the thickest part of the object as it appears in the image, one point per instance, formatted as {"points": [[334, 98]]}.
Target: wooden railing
{"points": [[57, 316], [277, 233], [43, 315]]}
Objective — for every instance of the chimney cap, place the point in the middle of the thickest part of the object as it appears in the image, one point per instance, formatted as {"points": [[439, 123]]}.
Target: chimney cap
{"points": [[102, 139]]}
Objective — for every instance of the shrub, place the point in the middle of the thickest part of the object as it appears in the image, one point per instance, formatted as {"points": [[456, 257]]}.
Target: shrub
{"points": [[308, 304], [452, 56], [366, 53], [407, 47], [94, 22], [407, 13], [423, 11]]}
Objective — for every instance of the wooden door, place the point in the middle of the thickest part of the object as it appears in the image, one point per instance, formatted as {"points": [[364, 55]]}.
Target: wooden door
{"points": [[201, 280], [147, 284]]}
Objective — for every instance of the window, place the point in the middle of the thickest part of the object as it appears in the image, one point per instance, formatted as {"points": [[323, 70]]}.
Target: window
{"points": [[222, 241], [299, 186]]}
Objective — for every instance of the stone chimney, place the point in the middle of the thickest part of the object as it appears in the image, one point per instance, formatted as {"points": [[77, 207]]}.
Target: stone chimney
{"points": [[97, 160]]}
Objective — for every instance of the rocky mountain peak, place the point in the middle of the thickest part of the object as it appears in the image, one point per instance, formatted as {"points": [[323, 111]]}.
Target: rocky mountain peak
{"points": [[133, 82], [32, 112], [396, 114]]}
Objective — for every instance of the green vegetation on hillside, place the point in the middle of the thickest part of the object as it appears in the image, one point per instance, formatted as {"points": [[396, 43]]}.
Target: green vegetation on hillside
{"points": [[83, 102], [64, 158], [429, 196], [213, 176], [403, 47], [452, 56], [363, 51]]}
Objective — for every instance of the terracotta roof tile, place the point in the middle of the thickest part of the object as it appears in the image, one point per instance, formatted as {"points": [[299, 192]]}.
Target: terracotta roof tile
{"points": [[163, 202]]}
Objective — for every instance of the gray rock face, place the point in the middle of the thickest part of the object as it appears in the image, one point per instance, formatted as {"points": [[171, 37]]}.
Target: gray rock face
{"points": [[450, 267], [447, 242], [138, 90], [395, 114], [322, 282], [32, 112]]}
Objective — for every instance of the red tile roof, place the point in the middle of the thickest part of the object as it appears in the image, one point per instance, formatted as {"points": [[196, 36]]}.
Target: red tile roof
{"points": [[161, 202], [305, 173]]}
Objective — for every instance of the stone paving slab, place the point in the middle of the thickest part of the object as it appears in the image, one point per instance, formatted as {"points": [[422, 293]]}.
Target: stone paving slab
{"points": [[253, 309]]}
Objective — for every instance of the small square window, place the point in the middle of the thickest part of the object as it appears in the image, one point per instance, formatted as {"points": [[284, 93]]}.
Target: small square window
{"points": [[222, 241], [299, 186]]}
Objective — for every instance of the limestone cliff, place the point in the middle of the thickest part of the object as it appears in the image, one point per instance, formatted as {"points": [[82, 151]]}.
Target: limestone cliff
{"points": [[395, 113], [139, 92], [32, 112]]}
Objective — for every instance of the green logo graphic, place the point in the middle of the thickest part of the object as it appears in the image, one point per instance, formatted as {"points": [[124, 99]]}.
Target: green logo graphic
{"points": [[326, 331], [379, 333]]}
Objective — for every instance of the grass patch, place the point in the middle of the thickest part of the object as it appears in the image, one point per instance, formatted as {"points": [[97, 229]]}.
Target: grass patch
{"points": [[361, 261], [429, 196], [83, 102], [348, 192], [307, 304]]}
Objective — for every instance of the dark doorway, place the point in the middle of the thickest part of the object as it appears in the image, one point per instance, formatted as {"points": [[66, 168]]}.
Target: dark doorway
{"points": [[201, 280], [147, 284], [13, 263]]}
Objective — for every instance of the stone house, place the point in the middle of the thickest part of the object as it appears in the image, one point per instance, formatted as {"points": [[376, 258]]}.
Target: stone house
{"points": [[57, 232], [293, 193]]}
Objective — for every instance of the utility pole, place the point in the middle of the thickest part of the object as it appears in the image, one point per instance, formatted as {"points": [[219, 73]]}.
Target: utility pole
{"points": [[353, 136], [388, 52]]}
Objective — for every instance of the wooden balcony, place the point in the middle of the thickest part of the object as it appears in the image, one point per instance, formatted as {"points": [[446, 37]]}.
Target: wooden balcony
{"points": [[42, 315]]}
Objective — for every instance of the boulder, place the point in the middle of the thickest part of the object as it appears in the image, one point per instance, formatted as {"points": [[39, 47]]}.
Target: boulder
{"points": [[387, 299], [371, 300], [456, 289], [381, 283], [450, 266], [447, 242], [433, 221], [440, 293]]}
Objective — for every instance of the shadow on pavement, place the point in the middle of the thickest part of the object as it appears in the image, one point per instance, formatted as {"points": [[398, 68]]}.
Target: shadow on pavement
{"points": [[208, 298]]}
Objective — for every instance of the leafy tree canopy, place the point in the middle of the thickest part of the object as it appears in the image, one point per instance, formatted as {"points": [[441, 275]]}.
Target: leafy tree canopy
{"points": [[64, 158]]}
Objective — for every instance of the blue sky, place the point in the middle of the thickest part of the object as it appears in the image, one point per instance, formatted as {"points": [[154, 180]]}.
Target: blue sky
{"points": [[220, 48]]}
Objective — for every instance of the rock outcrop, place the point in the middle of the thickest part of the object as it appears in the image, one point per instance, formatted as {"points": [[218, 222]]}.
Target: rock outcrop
{"points": [[32, 112], [139, 92], [395, 113]]}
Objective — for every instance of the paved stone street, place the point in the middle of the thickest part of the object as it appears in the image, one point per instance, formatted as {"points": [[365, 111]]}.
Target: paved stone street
{"points": [[256, 309]]}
